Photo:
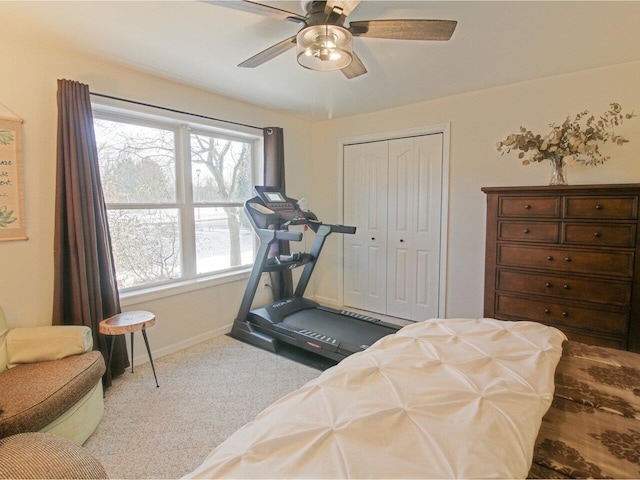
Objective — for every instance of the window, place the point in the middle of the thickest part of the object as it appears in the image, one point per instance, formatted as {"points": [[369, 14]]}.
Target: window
{"points": [[175, 193]]}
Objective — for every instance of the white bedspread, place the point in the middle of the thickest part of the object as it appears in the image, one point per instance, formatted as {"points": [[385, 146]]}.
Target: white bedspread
{"points": [[457, 398]]}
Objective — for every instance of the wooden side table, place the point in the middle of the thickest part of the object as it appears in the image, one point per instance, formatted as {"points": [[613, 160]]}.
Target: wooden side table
{"points": [[129, 322]]}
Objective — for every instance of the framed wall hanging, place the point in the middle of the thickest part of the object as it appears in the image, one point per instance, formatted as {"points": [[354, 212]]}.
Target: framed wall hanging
{"points": [[12, 221]]}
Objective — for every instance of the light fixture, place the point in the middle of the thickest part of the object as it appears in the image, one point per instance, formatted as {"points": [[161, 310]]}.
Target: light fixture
{"points": [[324, 47]]}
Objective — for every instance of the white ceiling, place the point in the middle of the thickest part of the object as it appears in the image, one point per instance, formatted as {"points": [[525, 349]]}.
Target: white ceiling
{"points": [[495, 43]]}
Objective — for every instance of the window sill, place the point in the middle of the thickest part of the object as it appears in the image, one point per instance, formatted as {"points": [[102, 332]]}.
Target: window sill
{"points": [[128, 299]]}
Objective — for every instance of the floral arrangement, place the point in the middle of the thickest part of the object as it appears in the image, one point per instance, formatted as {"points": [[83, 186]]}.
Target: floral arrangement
{"points": [[575, 140]]}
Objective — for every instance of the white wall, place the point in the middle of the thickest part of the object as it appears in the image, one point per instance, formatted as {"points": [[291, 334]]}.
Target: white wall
{"points": [[478, 120], [28, 85]]}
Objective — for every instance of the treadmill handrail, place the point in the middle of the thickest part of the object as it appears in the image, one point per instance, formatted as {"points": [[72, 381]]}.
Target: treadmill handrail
{"points": [[287, 235], [323, 230], [347, 229]]}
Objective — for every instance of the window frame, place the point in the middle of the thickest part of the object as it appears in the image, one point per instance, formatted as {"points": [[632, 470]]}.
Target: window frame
{"points": [[182, 125]]}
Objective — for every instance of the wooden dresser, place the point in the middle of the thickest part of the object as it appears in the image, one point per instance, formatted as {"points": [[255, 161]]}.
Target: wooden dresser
{"points": [[566, 256]]}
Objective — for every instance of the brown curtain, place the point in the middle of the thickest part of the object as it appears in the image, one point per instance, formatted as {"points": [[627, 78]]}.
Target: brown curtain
{"points": [[281, 282], [85, 290]]}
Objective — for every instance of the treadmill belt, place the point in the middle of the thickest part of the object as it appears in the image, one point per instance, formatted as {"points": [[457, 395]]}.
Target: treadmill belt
{"points": [[347, 330]]}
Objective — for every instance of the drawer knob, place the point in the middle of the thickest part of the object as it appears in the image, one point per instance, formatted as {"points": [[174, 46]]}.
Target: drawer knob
{"points": [[548, 285], [598, 207], [373, 238], [549, 258], [526, 230], [401, 240], [547, 311], [565, 314], [527, 207], [567, 259], [566, 287], [596, 234]]}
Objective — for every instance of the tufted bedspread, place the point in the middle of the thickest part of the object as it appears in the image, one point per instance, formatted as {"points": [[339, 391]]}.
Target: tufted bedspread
{"points": [[450, 398]]}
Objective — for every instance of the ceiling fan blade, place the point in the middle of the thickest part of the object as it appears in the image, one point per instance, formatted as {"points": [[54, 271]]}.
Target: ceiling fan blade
{"points": [[270, 53], [355, 68], [404, 29], [254, 7]]}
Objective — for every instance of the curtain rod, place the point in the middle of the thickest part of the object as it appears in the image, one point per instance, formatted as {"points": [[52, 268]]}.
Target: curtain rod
{"points": [[173, 110]]}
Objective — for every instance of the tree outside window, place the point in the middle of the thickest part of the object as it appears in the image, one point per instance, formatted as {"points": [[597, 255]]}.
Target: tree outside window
{"points": [[175, 213]]}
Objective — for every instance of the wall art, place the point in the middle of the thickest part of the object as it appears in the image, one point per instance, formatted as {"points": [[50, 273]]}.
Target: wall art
{"points": [[12, 221]]}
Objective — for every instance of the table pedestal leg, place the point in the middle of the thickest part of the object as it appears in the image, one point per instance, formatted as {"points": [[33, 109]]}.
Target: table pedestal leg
{"points": [[131, 352], [146, 342]]}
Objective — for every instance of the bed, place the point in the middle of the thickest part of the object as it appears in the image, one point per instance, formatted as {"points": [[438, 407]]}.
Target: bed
{"points": [[461, 398]]}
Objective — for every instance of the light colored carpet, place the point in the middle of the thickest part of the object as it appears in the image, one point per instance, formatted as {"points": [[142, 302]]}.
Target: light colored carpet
{"points": [[206, 393]]}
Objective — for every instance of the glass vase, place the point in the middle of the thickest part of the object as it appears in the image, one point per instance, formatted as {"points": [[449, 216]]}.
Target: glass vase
{"points": [[559, 174]]}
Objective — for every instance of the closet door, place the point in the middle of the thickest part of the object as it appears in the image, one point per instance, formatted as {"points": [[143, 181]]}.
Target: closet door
{"points": [[365, 206], [414, 212]]}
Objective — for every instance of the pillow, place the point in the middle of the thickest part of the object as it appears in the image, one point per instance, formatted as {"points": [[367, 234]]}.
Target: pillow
{"points": [[41, 344]]}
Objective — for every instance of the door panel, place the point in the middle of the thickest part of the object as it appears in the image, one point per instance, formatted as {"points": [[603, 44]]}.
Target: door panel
{"points": [[365, 207], [415, 172]]}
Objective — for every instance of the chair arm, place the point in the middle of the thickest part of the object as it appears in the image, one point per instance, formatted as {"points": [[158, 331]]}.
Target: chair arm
{"points": [[41, 344]]}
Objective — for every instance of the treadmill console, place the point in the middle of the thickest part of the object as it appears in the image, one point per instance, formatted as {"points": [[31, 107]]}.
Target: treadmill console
{"points": [[275, 204]]}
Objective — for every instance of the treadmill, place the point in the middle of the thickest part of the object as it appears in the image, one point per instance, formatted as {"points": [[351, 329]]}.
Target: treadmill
{"points": [[298, 321]]}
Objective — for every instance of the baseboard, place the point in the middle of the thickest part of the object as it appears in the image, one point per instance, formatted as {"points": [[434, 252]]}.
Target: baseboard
{"points": [[142, 357], [326, 301]]}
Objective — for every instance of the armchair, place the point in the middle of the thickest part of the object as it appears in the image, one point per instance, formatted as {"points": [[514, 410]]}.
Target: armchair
{"points": [[50, 381]]}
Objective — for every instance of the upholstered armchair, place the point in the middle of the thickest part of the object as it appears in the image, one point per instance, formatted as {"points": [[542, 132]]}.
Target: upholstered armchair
{"points": [[50, 381]]}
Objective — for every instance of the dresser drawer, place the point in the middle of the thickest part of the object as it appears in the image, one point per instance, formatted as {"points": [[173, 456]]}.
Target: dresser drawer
{"points": [[584, 336], [622, 207], [567, 260], [565, 287], [529, 231], [548, 207], [606, 235], [557, 313]]}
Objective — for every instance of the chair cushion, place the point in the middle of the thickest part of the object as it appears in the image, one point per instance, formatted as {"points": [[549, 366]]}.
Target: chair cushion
{"points": [[34, 395], [3, 345], [41, 455]]}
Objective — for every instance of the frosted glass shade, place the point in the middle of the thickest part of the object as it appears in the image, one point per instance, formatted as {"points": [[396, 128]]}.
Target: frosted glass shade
{"points": [[324, 47]]}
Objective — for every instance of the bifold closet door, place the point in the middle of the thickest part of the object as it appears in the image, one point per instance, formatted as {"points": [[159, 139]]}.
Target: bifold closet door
{"points": [[413, 223], [365, 206], [393, 195]]}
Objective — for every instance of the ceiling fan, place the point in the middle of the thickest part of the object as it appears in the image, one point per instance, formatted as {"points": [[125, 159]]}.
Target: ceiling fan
{"points": [[324, 43]]}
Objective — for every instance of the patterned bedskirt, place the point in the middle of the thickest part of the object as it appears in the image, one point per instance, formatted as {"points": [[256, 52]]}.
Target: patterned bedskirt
{"points": [[592, 429]]}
